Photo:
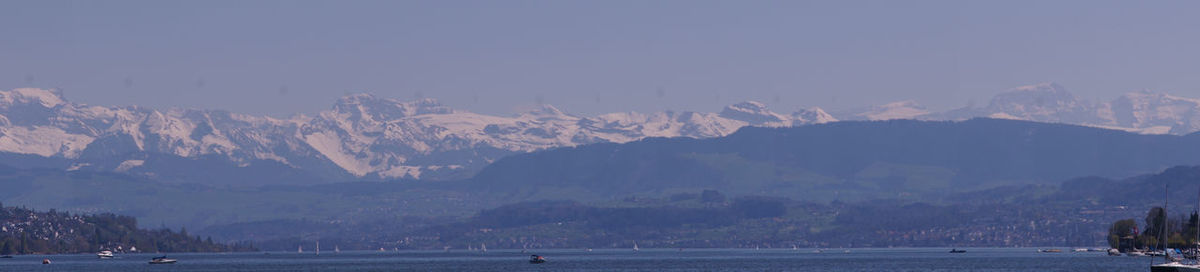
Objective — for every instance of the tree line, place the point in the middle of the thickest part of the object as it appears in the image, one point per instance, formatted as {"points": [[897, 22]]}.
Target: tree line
{"points": [[25, 231], [1125, 234]]}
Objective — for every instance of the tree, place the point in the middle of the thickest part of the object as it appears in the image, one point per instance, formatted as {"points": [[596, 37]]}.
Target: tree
{"points": [[1156, 219], [1119, 231]]}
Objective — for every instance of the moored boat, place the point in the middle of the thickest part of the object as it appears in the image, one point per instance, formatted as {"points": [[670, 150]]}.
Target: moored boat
{"points": [[162, 260], [1174, 267], [105, 254], [535, 259], [955, 250], [1169, 264]]}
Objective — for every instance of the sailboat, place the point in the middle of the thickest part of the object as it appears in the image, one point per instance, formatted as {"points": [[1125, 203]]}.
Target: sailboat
{"points": [[482, 247], [336, 250], [300, 249], [318, 247], [1170, 265], [635, 248]]}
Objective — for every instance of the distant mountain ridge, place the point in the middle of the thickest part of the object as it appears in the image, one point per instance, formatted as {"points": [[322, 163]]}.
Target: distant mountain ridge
{"points": [[361, 136], [1140, 111], [851, 160], [367, 137]]}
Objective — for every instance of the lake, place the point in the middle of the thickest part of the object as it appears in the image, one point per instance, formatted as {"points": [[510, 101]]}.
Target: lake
{"points": [[864, 259]]}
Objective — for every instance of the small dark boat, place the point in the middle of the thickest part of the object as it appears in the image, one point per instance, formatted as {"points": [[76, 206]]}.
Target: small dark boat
{"points": [[162, 260], [955, 250], [6, 257], [535, 259]]}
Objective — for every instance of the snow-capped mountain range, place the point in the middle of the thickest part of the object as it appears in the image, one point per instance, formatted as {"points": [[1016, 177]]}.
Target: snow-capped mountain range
{"points": [[1141, 111], [363, 135], [367, 137]]}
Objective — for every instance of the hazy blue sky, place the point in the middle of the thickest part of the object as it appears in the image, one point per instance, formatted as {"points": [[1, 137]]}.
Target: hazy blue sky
{"points": [[283, 57]]}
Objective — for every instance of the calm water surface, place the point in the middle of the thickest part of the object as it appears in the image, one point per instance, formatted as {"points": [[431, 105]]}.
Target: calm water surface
{"points": [[907, 259]]}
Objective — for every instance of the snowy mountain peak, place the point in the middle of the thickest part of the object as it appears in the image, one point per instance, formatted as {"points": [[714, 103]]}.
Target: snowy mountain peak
{"points": [[1042, 102], [45, 98], [752, 112], [907, 109], [545, 110], [426, 106], [812, 115], [1156, 111], [382, 109], [1040, 87]]}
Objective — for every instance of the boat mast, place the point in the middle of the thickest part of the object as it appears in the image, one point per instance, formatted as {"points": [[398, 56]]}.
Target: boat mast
{"points": [[1166, 256]]}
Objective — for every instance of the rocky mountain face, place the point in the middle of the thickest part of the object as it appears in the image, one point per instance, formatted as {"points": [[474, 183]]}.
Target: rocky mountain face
{"points": [[360, 137]]}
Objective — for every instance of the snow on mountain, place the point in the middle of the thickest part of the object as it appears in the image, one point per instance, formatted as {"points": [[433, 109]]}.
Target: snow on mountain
{"points": [[1146, 109], [366, 136], [812, 115], [1140, 112], [1044, 102], [754, 113], [362, 135], [896, 110]]}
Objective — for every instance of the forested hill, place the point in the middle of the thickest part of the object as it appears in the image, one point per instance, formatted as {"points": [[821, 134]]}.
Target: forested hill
{"points": [[25, 231], [845, 160]]}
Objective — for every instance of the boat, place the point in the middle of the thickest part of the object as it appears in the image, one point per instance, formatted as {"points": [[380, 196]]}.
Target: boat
{"points": [[535, 259], [1079, 250], [482, 247], [6, 257], [105, 254], [1174, 267], [336, 250], [318, 248], [1169, 264], [1114, 252], [162, 260], [45, 261], [1135, 253], [1051, 250], [300, 249], [955, 250], [635, 247]]}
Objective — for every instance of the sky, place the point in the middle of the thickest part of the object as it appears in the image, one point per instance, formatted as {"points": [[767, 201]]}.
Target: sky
{"points": [[586, 57]]}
